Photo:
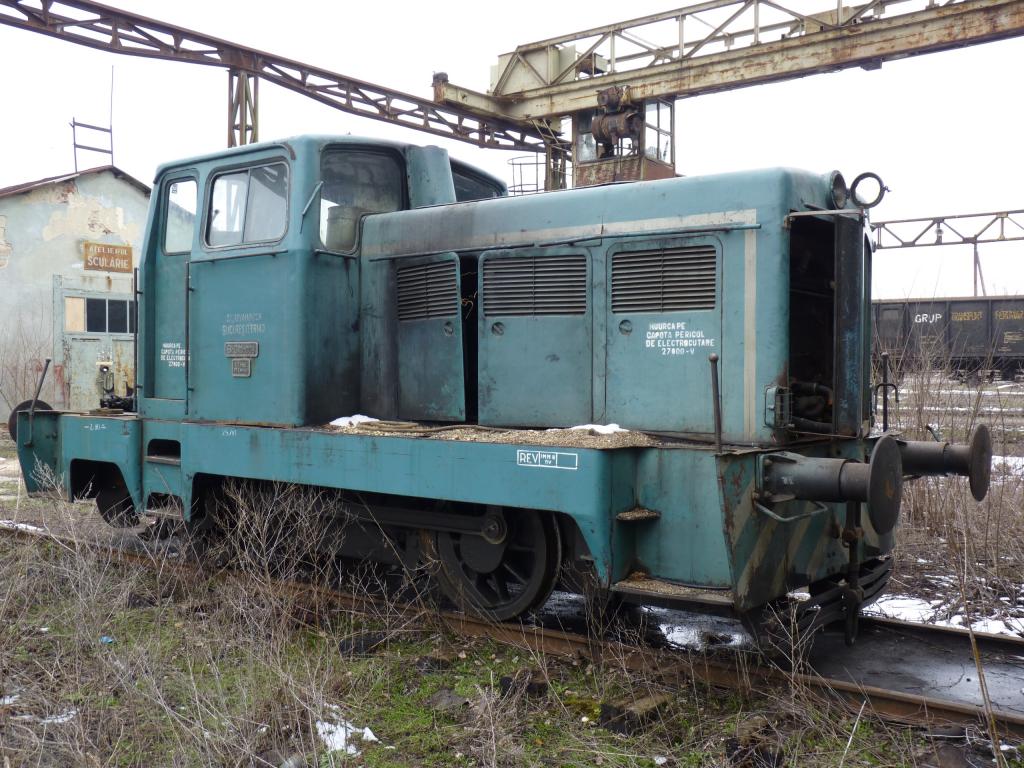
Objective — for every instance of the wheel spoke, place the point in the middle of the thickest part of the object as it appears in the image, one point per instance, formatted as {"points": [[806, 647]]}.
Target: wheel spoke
{"points": [[484, 589], [525, 562], [515, 574], [500, 588], [527, 548]]}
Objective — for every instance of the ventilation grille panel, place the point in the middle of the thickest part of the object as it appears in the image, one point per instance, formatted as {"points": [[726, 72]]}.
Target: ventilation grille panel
{"points": [[428, 290], [536, 285], [673, 280]]}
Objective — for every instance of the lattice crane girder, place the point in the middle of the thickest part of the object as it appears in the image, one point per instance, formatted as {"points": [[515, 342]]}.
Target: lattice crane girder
{"points": [[739, 51], [111, 29]]}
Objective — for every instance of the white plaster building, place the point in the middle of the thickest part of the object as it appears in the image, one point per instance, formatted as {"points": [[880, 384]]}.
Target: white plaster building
{"points": [[51, 305]]}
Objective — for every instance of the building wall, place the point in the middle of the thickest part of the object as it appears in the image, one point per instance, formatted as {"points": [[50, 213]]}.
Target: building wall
{"points": [[41, 236]]}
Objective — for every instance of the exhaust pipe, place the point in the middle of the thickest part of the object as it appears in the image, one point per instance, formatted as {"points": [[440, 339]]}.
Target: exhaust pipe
{"points": [[973, 460], [879, 483]]}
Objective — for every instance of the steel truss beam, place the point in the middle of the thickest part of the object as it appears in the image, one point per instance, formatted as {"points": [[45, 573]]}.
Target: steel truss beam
{"points": [[959, 229], [724, 44], [111, 29]]}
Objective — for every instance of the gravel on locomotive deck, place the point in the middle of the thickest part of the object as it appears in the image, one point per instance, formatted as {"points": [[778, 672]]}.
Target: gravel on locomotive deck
{"points": [[573, 438]]}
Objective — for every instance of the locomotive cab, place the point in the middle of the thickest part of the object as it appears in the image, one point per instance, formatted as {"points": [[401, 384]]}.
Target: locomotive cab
{"points": [[250, 299]]}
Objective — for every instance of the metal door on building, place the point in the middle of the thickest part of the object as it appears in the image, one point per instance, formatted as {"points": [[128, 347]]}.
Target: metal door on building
{"points": [[81, 373], [536, 337], [94, 346], [665, 318]]}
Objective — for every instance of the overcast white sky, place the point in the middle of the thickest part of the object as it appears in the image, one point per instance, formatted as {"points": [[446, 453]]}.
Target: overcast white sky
{"points": [[942, 130]]}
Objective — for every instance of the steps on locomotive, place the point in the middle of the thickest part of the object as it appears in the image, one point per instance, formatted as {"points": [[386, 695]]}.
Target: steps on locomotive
{"points": [[638, 515], [161, 465], [642, 588]]}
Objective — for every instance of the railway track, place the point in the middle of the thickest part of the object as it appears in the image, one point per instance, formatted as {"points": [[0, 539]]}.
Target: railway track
{"points": [[909, 673]]}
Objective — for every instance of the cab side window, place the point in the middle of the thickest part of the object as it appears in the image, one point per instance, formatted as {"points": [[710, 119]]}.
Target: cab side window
{"points": [[180, 215], [469, 186], [248, 206], [355, 183]]}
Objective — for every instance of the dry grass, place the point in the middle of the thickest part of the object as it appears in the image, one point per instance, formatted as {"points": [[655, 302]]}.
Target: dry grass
{"points": [[120, 665]]}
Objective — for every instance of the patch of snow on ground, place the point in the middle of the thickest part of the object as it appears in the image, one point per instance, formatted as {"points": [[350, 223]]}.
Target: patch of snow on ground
{"points": [[688, 637], [913, 609], [686, 629], [13, 526], [337, 734], [351, 421], [6, 701], [999, 626], [902, 607], [987, 410], [63, 717], [1008, 463]]}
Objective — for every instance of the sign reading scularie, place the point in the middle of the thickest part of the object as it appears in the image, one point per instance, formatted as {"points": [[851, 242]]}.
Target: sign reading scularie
{"points": [[106, 257]]}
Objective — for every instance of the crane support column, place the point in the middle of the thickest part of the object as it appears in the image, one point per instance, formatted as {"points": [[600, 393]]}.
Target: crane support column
{"points": [[243, 108]]}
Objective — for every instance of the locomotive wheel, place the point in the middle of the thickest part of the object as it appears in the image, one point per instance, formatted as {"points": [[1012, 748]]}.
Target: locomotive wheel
{"points": [[206, 540], [117, 508], [12, 420], [499, 577]]}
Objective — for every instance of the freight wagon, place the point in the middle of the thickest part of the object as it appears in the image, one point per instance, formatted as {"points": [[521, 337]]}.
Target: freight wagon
{"points": [[971, 336]]}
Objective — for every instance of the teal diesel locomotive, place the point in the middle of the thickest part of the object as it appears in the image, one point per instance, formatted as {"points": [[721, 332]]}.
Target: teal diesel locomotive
{"points": [[722, 322]]}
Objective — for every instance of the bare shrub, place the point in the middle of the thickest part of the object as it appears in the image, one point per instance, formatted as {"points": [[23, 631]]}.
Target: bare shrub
{"points": [[25, 341], [494, 726], [967, 554], [198, 672]]}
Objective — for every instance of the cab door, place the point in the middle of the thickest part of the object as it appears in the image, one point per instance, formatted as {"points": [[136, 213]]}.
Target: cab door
{"points": [[165, 296]]}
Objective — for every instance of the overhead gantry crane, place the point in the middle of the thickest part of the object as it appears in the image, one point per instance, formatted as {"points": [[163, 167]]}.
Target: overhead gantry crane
{"points": [[616, 84], [619, 82]]}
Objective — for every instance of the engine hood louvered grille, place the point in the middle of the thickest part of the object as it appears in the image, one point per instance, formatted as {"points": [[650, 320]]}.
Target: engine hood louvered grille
{"points": [[535, 285], [428, 290], [673, 280]]}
